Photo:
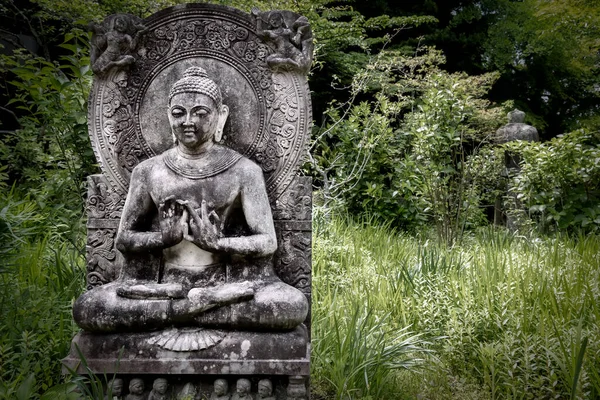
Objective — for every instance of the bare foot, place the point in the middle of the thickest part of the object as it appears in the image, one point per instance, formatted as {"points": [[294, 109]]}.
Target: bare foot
{"points": [[202, 299]]}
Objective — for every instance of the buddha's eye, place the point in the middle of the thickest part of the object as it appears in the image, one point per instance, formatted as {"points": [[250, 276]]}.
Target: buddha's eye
{"points": [[177, 112], [200, 112]]}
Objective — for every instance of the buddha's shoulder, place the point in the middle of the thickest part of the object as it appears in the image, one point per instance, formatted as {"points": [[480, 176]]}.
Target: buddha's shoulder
{"points": [[247, 168], [151, 163]]}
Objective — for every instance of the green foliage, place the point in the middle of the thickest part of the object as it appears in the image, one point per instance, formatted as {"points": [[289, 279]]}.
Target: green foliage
{"points": [[49, 156], [549, 52], [505, 316], [559, 181], [40, 275], [451, 116], [404, 157]]}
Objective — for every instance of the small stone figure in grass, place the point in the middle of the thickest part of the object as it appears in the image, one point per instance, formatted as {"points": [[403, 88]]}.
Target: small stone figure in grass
{"points": [[242, 390], [159, 389], [220, 390], [136, 390], [115, 387], [265, 390]]}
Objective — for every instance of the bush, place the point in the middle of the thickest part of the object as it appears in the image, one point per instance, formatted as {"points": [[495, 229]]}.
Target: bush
{"points": [[559, 181]]}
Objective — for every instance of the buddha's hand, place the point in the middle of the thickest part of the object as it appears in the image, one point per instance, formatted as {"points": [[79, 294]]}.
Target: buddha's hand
{"points": [[173, 216], [204, 228]]}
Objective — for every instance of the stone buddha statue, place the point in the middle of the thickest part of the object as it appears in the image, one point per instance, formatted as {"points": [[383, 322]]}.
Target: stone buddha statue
{"points": [[204, 209]]}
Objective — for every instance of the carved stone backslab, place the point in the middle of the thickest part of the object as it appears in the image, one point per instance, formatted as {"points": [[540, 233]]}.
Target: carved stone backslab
{"points": [[258, 63]]}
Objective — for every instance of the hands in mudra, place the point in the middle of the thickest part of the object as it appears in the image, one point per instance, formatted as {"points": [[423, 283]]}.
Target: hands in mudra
{"points": [[179, 220]]}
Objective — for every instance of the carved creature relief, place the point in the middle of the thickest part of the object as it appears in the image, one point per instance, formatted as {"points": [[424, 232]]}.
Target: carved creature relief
{"points": [[101, 257], [114, 41], [294, 259], [293, 46]]}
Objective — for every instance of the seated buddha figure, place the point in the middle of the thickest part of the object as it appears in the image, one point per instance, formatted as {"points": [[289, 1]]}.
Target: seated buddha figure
{"points": [[203, 208]]}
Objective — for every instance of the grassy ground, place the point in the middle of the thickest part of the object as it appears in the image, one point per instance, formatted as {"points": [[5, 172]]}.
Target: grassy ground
{"points": [[500, 316], [394, 316]]}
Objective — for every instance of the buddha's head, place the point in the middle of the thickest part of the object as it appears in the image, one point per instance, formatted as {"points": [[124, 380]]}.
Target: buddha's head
{"points": [[136, 386], [221, 387], [243, 386], [160, 385], [265, 388], [196, 112]]}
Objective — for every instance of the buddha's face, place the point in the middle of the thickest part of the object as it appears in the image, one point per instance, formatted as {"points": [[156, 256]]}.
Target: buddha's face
{"points": [[195, 119]]}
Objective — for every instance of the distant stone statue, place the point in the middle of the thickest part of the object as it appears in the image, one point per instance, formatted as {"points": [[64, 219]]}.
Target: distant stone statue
{"points": [[214, 218], [220, 390], [159, 389], [242, 390], [516, 129], [136, 390], [509, 210], [116, 389]]}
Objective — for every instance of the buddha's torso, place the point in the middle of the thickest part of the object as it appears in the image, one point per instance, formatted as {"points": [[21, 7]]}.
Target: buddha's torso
{"points": [[218, 180]]}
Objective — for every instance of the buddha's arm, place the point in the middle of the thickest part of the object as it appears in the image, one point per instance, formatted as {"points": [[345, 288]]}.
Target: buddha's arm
{"points": [[133, 233], [257, 211]]}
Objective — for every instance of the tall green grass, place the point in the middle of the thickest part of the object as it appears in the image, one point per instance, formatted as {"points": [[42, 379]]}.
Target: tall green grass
{"points": [[506, 316], [40, 274]]}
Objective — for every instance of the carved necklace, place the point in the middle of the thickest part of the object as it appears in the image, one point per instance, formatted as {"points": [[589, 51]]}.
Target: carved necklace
{"points": [[218, 159]]}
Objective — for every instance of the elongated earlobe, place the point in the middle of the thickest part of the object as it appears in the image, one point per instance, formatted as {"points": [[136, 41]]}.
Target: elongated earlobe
{"points": [[223, 114]]}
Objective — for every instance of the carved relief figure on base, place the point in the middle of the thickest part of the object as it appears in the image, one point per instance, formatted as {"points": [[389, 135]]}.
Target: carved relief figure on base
{"points": [[204, 207], [220, 390], [265, 390], [116, 389], [242, 390], [159, 389], [136, 390]]}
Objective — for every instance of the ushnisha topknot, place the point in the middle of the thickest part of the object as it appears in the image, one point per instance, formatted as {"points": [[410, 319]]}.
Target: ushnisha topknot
{"points": [[196, 80]]}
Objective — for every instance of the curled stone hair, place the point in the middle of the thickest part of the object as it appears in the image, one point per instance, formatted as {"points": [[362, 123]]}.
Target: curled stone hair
{"points": [[196, 80]]}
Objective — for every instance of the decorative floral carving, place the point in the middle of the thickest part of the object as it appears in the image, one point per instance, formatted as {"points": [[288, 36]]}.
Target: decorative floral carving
{"points": [[296, 202], [103, 200]]}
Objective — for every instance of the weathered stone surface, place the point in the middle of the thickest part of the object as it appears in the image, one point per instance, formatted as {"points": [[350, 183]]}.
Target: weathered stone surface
{"points": [[237, 352], [516, 129], [199, 230]]}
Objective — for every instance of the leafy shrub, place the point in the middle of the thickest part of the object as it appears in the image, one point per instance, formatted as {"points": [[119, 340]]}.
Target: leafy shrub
{"points": [[559, 181], [50, 155]]}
